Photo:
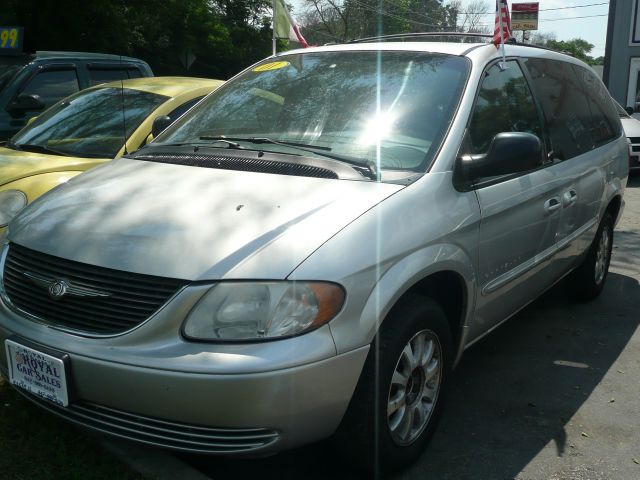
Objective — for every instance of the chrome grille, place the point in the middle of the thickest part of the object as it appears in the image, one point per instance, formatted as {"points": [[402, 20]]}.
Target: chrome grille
{"points": [[161, 433], [132, 298]]}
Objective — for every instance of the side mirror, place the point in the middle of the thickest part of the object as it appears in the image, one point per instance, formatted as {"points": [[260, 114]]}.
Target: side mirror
{"points": [[24, 102], [630, 110], [509, 153], [159, 124]]}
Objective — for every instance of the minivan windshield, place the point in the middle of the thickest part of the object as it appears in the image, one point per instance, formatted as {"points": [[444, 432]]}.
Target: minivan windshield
{"points": [[391, 108], [89, 124]]}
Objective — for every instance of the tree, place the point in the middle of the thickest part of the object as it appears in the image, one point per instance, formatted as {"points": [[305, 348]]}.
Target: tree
{"points": [[343, 20], [540, 38], [576, 47], [469, 17], [224, 36]]}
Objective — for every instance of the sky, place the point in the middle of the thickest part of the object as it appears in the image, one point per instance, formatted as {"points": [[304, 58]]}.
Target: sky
{"points": [[560, 22]]}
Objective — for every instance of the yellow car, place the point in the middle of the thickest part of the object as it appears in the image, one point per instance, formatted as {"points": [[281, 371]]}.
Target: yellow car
{"points": [[87, 129]]}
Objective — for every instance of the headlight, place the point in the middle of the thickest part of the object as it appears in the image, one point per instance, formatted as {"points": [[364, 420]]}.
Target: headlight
{"points": [[11, 202], [243, 311]]}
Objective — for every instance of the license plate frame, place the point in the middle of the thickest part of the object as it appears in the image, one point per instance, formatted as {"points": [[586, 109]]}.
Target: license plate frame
{"points": [[39, 371]]}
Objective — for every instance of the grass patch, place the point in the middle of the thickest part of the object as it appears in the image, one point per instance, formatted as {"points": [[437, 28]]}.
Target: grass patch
{"points": [[35, 444]]}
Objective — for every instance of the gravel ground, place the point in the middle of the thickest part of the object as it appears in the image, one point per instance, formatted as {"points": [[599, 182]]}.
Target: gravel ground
{"points": [[551, 395]]}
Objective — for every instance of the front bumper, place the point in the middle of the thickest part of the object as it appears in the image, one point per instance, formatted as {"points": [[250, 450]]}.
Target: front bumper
{"points": [[218, 405]]}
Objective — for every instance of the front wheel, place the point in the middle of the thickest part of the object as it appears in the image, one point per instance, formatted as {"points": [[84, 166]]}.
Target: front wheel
{"points": [[587, 281], [399, 396]]}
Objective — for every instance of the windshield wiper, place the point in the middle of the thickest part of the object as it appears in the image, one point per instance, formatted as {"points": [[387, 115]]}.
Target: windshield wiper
{"points": [[289, 144], [362, 166], [32, 147], [221, 138], [230, 144]]}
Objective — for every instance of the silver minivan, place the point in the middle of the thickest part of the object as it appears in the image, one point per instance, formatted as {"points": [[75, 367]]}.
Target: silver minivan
{"points": [[308, 251]]}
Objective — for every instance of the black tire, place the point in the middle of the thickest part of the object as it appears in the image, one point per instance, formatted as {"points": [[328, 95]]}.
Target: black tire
{"points": [[365, 436], [585, 281]]}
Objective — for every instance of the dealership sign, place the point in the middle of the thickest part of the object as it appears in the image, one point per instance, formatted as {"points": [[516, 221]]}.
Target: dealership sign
{"points": [[524, 16], [10, 40]]}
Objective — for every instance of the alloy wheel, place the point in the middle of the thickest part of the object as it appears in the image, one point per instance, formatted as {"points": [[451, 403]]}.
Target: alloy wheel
{"points": [[414, 388]]}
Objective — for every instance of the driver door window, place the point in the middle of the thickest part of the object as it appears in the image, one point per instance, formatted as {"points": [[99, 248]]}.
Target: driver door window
{"points": [[504, 104]]}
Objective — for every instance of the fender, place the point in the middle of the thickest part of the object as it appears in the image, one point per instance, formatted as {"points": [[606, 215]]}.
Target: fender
{"points": [[395, 282], [425, 228]]}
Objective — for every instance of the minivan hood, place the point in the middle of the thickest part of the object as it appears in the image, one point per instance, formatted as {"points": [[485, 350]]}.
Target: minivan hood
{"points": [[16, 164], [192, 223]]}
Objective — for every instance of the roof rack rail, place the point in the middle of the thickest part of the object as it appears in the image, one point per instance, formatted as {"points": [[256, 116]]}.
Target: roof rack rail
{"points": [[399, 36]]}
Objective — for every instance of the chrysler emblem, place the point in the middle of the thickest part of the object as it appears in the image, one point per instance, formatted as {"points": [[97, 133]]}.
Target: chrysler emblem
{"points": [[59, 288]]}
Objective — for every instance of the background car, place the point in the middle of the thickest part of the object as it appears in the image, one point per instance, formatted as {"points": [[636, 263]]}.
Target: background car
{"points": [[631, 126], [32, 83], [87, 129]]}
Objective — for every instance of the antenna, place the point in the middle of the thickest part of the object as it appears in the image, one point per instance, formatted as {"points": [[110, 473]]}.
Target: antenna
{"points": [[124, 118]]}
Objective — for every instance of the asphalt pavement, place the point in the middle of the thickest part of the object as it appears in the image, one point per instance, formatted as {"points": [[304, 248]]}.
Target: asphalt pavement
{"points": [[553, 394]]}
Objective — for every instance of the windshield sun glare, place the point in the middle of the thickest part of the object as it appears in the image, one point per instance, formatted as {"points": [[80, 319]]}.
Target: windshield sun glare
{"points": [[391, 108]]}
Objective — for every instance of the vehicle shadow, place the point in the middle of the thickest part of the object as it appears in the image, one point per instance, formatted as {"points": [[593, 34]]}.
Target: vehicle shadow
{"points": [[512, 394], [634, 180], [626, 256], [515, 391]]}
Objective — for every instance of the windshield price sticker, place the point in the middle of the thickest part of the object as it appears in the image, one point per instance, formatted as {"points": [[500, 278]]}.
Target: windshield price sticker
{"points": [[11, 38], [271, 66], [37, 372]]}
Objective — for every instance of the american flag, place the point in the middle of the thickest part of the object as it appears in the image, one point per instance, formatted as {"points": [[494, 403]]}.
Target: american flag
{"points": [[285, 26], [502, 9]]}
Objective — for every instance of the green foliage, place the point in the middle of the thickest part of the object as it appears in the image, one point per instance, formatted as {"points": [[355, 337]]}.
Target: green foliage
{"points": [[223, 35], [576, 47], [327, 20]]}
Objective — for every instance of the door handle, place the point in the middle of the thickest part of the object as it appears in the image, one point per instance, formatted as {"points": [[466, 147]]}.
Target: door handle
{"points": [[569, 197], [552, 204]]}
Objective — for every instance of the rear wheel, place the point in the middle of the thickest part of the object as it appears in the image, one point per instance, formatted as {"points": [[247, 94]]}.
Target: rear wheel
{"points": [[587, 281], [399, 396]]}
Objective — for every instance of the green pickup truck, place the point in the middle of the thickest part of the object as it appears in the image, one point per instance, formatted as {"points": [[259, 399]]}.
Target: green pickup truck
{"points": [[31, 83]]}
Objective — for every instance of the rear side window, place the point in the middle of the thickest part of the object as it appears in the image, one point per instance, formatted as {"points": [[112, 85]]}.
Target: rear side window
{"points": [[504, 104], [52, 85], [103, 75], [563, 97], [606, 123]]}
